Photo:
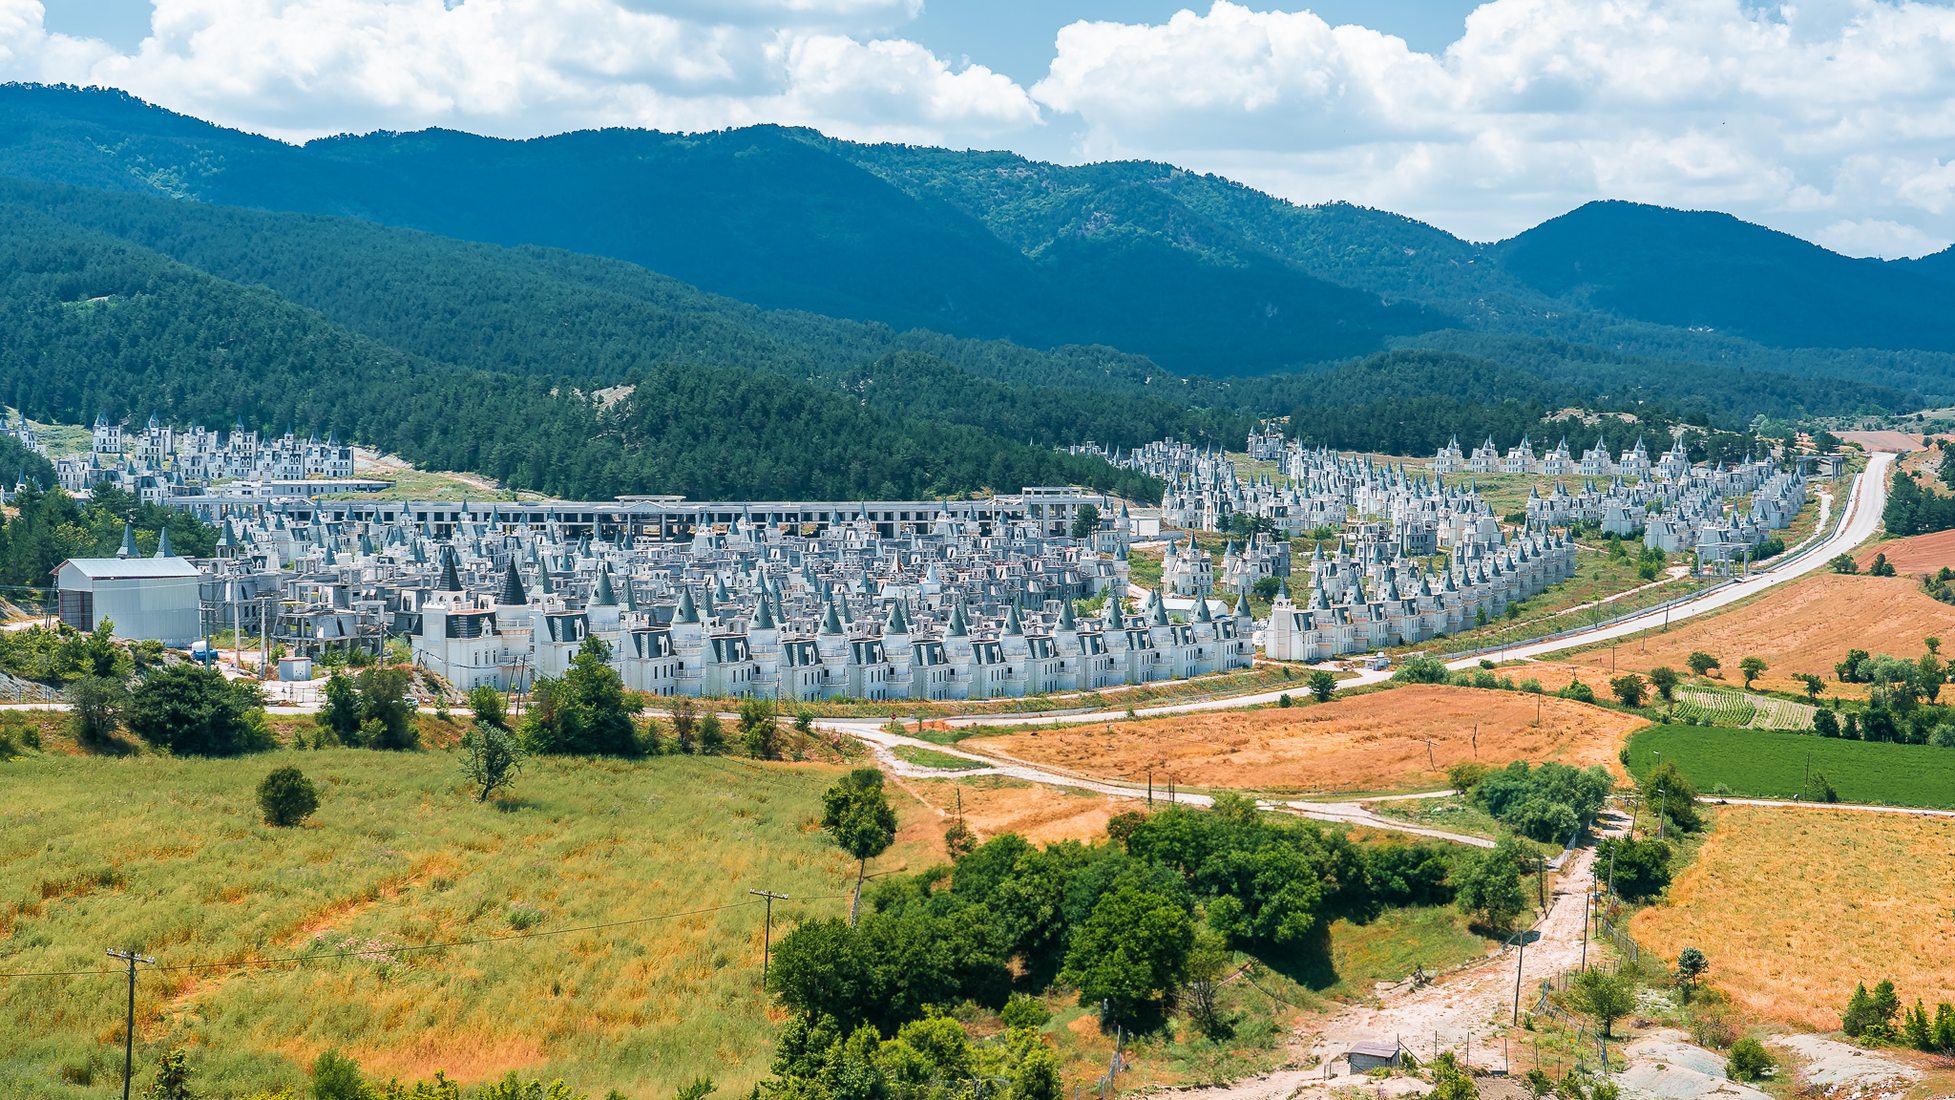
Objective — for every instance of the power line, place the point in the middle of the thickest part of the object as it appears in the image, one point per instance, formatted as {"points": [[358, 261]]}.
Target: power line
{"points": [[238, 964]]}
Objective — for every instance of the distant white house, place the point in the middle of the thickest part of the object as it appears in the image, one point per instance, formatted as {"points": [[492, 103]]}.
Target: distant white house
{"points": [[147, 599]]}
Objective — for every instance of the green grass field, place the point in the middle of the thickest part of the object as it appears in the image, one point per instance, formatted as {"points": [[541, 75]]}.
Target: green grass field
{"points": [[1772, 764], [170, 856]]}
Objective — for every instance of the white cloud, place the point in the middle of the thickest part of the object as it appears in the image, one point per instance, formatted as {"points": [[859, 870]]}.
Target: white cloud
{"points": [[1832, 119], [300, 68], [1803, 116]]}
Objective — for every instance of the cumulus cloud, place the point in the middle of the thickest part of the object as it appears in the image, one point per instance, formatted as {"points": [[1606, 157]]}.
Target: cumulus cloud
{"points": [[1832, 119], [1826, 119], [301, 68]]}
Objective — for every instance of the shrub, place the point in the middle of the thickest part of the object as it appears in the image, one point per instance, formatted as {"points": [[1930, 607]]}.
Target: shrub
{"points": [[337, 1077], [1750, 1061], [287, 797], [195, 711], [1024, 1011]]}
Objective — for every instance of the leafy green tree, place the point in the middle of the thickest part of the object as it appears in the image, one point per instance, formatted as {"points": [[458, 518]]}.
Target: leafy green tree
{"points": [[1814, 685], [386, 708], [1665, 680], [760, 731], [1753, 668], [1322, 685], [712, 735], [1488, 887], [584, 712], [340, 715], [490, 758], [95, 709], [1691, 965], [1640, 869], [1701, 662], [287, 797], [1823, 790], [1209, 962], [1605, 996], [1085, 521], [685, 725], [1629, 689], [489, 706], [857, 815], [194, 711], [1844, 563], [1131, 953], [1666, 791]]}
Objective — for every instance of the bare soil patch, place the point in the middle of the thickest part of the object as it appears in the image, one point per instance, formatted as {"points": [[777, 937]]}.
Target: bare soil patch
{"points": [[1916, 554], [1375, 742], [1899, 442], [1794, 906]]}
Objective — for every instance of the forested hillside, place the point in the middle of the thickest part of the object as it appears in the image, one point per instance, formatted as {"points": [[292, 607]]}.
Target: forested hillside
{"points": [[99, 324], [590, 314], [1196, 273], [1696, 269]]}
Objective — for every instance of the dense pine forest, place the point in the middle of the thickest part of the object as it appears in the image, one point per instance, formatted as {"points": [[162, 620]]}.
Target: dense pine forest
{"points": [[768, 312]]}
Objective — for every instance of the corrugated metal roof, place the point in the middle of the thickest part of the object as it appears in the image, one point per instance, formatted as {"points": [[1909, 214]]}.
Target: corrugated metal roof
{"points": [[132, 569]]}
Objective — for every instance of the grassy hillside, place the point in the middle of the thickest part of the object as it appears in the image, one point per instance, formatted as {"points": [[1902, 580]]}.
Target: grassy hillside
{"points": [[170, 856]]}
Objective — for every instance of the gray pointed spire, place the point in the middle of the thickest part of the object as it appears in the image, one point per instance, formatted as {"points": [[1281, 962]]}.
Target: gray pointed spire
{"points": [[763, 616], [1013, 625], [163, 542], [831, 623], [451, 580], [605, 596], [1242, 604], [688, 611], [128, 549], [512, 593], [1160, 616], [1067, 619]]}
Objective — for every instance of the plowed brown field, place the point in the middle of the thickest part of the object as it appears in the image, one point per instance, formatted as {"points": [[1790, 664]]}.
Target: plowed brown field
{"points": [[1375, 742], [1916, 555], [1793, 906]]}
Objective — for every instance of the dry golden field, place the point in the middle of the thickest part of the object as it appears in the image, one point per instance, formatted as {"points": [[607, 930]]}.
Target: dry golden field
{"points": [[170, 855], [1803, 626], [1793, 906], [1373, 742], [994, 806]]}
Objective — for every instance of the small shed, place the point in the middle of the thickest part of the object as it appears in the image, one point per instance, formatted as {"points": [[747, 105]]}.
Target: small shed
{"points": [[147, 599], [1366, 1056]]}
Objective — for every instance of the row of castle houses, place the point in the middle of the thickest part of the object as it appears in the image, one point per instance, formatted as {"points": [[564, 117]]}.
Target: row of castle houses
{"points": [[744, 608]]}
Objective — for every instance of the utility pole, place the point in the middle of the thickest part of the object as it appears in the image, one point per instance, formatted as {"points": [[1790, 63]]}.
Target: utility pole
{"points": [[1518, 964], [1663, 811], [1588, 899], [129, 1028], [766, 931], [1150, 786]]}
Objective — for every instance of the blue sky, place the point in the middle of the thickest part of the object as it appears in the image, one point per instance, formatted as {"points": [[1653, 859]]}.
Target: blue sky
{"points": [[1830, 119]]}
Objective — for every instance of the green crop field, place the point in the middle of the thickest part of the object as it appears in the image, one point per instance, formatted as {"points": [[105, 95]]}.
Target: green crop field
{"points": [[1773, 764], [170, 856]]}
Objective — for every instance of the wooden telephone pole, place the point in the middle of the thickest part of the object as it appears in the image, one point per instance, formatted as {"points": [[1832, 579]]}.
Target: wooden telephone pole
{"points": [[129, 1028]]}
